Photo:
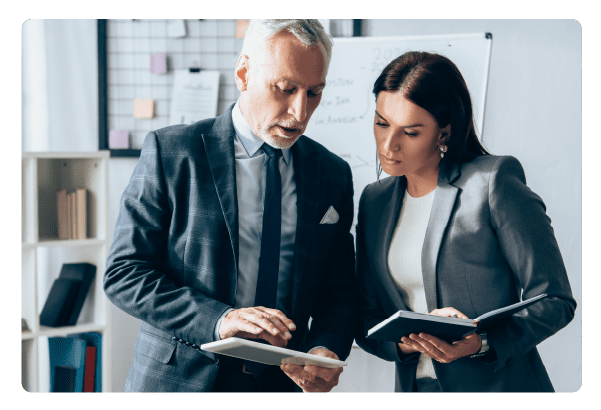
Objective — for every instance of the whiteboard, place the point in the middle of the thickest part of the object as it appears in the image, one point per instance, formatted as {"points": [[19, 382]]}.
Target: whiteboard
{"points": [[343, 121]]}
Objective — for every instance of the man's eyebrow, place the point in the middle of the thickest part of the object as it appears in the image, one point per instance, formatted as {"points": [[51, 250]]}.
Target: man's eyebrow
{"points": [[402, 126], [288, 80]]}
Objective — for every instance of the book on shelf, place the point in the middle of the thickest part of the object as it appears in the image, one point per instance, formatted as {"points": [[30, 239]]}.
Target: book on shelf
{"points": [[449, 329], [59, 302], [81, 213], [66, 351], [69, 213], [72, 214], [64, 379], [89, 369], [67, 295], [63, 232], [92, 339], [84, 273]]}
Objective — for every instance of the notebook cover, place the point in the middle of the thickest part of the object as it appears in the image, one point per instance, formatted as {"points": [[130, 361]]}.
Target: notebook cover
{"points": [[398, 327]]}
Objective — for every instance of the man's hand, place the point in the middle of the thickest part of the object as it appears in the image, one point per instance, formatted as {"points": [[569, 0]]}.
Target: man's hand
{"points": [[314, 378], [438, 349], [257, 323]]}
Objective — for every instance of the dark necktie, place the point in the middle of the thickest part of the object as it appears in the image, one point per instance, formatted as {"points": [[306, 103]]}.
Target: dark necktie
{"points": [[269, 260]]}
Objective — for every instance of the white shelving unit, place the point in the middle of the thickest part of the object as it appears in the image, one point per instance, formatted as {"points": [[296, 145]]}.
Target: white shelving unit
{"points": [[43, 254]]}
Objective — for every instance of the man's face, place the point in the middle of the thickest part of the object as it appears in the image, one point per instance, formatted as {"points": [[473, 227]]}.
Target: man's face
{"points": [[281, 89]]}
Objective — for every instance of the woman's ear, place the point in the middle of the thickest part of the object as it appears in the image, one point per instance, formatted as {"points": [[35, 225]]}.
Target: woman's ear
{"points": [[444, 135], [241, 73]]}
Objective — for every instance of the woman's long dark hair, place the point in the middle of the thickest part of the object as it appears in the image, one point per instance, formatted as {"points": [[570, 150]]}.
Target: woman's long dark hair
{"points": [[434, 83]]}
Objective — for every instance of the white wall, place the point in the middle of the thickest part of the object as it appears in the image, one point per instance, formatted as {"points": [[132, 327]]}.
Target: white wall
{"points": [[533, 112]]}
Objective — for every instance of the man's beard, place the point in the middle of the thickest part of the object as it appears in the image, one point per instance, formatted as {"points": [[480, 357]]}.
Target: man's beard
{"points": [[280, 141]]}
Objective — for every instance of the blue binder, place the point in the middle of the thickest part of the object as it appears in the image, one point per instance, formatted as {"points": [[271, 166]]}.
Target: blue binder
{"points": [[67, 351]]}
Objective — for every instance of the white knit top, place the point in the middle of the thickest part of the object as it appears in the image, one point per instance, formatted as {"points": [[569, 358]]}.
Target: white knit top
{"points": [[405, 260]]}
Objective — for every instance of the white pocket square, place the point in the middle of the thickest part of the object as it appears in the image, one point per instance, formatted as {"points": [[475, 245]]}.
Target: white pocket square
{"points": [[331, 217]]}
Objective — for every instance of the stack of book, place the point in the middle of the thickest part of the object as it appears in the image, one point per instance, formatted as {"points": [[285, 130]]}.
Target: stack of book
{"points": [[75, 363], [67, 295], [72, 214]]}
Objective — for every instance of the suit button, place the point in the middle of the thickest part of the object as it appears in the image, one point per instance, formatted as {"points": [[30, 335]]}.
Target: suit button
{"points": [[181, 340], [173, 338], [194, 345]]}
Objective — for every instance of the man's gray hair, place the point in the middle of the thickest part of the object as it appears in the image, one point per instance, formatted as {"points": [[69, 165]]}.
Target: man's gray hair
{"points": [[309, 32]]}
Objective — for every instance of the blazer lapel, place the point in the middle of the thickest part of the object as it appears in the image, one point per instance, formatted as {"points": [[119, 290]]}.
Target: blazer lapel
{"points": [[219, 147], [307, 178], [442, 208], [385, 231]]}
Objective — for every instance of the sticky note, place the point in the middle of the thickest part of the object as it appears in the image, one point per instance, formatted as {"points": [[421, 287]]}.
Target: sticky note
{"points": [[118, 139], [158, 63], [143, 108], [176, 28], [241, 26]]}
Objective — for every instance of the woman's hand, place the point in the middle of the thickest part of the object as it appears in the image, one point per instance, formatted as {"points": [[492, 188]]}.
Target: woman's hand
{"points": [[438, 349]]}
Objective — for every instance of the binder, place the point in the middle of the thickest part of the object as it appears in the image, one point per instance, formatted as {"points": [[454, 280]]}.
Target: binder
{"points": [[59, 302], [67, 351], [84, 273]]}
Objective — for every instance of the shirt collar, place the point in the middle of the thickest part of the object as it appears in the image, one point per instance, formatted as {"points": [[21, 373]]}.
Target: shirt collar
{"points": [[249, 140]]}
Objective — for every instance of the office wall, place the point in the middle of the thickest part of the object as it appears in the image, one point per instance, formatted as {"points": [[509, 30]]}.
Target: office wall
{"points": [[533, 112]]}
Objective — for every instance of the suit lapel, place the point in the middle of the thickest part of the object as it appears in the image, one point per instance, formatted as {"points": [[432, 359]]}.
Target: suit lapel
{"points": [[385, 232], [219, 147], [307, 178], [442, 208]]}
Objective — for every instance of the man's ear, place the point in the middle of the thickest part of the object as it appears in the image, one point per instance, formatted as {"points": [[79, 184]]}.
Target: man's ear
{"points": [[241, 72], [445, 133]]}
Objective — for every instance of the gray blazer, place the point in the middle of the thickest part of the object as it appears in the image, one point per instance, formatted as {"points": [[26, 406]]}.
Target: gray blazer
{"points": [[488, 241], [173, 262]]}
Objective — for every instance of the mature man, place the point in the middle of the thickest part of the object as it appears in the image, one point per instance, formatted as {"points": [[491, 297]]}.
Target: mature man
{"points": [[239, 226]]}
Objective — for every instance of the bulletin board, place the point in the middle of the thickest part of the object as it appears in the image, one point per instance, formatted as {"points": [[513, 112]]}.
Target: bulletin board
{"points": [[125, 50]]}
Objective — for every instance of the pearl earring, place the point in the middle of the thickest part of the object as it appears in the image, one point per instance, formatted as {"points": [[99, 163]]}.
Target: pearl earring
{"points": [[443, 149]]}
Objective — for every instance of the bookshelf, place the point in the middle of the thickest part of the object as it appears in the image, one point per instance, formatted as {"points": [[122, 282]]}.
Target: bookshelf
{"points": [[43, 254]]}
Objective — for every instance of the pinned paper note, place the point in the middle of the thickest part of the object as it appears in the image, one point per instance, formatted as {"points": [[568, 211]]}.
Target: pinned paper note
{"points": [[176, 28], [118, 139], [158, 63], [241, 26], [195, 96], [143, 108]]}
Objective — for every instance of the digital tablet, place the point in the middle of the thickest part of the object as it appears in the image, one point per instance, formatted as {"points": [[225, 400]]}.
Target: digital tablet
{"points": [[267, 354]]}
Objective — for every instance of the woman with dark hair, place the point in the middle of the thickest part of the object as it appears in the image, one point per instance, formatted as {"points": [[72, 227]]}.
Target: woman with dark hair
{"points": [[454, 231]]}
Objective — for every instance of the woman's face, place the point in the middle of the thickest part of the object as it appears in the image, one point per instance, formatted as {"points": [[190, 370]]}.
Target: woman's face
{"points": [[407, 136]]}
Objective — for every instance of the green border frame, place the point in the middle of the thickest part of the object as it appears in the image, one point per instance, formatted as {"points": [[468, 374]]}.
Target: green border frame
{"points": [[10, 29]]}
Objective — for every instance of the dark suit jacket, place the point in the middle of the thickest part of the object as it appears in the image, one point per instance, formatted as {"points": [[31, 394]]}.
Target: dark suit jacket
{"points": [[173, 260], [488, 239]]}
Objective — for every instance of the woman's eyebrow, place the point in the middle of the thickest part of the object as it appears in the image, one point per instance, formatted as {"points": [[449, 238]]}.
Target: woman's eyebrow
{"points": [[402, 126]]}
